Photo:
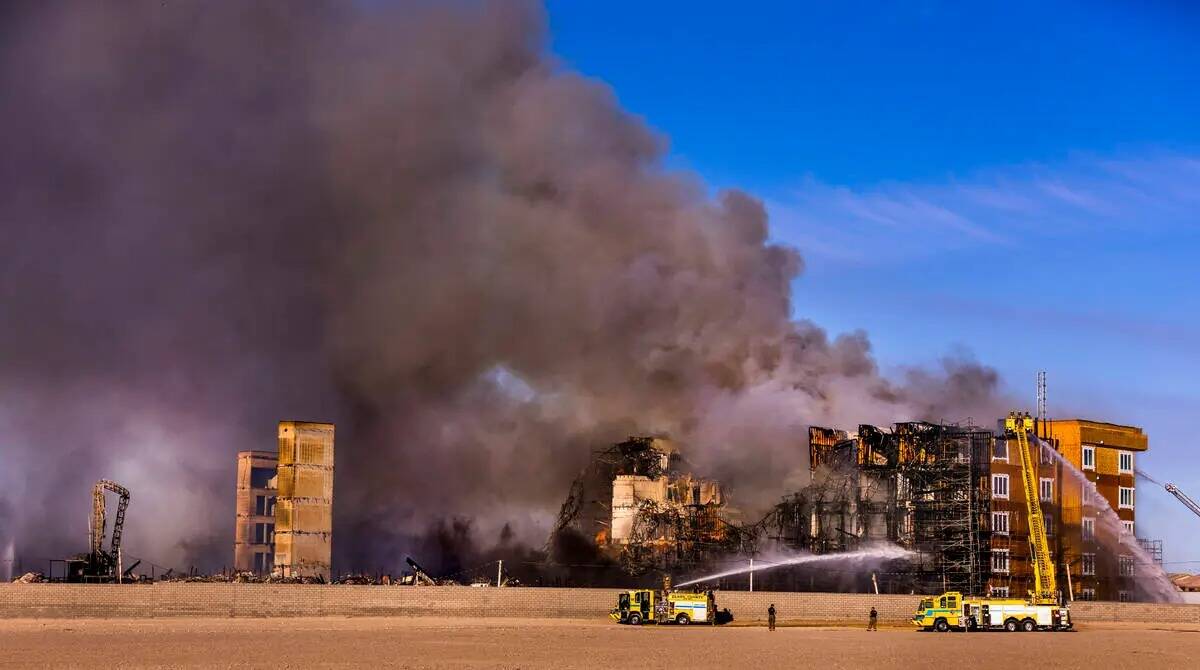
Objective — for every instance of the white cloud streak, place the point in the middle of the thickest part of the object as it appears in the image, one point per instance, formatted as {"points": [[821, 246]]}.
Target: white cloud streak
{"points": [[1086, 195]]}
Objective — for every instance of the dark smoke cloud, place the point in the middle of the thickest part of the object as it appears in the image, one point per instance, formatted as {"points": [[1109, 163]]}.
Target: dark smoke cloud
{"points": [[407, 219]]}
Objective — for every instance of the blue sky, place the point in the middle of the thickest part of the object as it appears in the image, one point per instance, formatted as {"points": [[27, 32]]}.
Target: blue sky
{"points": [[1026, 174]]}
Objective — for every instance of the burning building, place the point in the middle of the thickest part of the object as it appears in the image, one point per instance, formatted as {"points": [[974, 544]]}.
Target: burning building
{"points": [[921, 486], [640, 506], [953, 496]]}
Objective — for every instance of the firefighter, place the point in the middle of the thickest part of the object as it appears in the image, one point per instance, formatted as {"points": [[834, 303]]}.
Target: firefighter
{"points": [[873, 620], [771, 617]]}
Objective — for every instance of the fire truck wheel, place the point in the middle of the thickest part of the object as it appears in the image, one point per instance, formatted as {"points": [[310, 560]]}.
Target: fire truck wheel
{"points": [[1010, 625], [682, 620], [941, 626], [635, 619], [1029, 625]]}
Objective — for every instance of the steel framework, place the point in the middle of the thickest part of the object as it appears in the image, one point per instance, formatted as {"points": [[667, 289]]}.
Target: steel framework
{"points": [[919, 485]]}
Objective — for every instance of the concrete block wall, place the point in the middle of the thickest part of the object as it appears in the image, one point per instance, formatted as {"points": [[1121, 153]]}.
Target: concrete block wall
{"points": [[817, 607], [294, 600], [1135, 612]]}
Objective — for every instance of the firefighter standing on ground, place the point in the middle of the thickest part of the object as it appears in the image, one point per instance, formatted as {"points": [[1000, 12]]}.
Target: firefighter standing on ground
{"points": [[872, 622], [771, 617]]}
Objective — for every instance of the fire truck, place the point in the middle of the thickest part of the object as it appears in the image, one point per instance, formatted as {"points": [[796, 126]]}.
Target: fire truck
{"points": [[666, 606], [1042, 609], [953, 611]]}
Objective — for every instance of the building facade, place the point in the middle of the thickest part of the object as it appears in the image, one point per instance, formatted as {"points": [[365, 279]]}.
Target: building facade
{"points": [[1093, 548], [304, 507], [254, 542]]}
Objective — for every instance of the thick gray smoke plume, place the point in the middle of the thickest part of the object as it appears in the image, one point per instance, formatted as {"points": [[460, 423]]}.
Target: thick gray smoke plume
{"points": [[408, 219]]}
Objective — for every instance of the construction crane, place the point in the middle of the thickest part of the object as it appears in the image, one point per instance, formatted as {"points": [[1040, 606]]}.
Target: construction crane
{"points": [[1183, 498], [1045, 591], [101, 564], [99, 522]]}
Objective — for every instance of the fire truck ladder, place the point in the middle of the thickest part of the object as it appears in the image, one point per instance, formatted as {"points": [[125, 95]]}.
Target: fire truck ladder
{"points": [[1183, 498], [1045, 591]]}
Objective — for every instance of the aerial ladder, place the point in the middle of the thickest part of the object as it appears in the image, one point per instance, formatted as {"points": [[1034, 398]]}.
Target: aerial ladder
{"points": [[1041, 610], [1183, 498], [1045, 590]]}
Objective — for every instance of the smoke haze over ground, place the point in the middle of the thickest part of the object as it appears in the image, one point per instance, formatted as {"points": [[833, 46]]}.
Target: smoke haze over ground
{"points": [[405, 218]]}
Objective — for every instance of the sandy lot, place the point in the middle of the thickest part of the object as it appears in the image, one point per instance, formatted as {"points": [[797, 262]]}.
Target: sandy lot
{"points": [[547, 643]]}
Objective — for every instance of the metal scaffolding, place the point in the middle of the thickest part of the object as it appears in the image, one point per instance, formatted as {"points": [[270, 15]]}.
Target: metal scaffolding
{"points": [[920, 485]]}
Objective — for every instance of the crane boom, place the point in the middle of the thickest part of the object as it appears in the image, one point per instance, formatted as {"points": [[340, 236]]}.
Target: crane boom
{"points": [[99, 520], [1045, 590], [1183, 498]]}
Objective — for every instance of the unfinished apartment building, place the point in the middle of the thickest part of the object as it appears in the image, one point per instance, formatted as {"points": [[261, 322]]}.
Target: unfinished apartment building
{"points": [[1099, 567], [918, 485], [254, 541], [637, 503], [304, 506]]}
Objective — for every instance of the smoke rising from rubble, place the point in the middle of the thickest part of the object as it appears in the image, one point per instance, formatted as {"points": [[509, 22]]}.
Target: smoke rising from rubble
{"points": [[407, 219]]}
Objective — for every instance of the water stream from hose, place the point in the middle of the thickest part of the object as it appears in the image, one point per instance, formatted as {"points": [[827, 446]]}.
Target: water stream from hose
{"points": [[887, 552], [1147, 477], [1149, 577]]}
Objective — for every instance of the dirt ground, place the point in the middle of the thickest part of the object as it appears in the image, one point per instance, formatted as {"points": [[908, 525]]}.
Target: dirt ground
{"points": [[561, 644]]}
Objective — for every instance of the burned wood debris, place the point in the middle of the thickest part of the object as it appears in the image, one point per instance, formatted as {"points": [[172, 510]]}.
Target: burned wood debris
{"points": [[642, 509]]}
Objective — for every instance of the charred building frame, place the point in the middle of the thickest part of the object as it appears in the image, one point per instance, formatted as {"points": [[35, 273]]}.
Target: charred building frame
{"points": [[922, 486], [639, 505]]}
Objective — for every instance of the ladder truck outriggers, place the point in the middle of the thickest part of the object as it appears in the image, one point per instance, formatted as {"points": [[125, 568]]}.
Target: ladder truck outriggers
{"points": [[1042, 609]]}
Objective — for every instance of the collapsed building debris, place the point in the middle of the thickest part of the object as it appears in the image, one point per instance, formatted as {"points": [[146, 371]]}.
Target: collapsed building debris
{"points": [[639, 505], [418, 577], [238, 577]]}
